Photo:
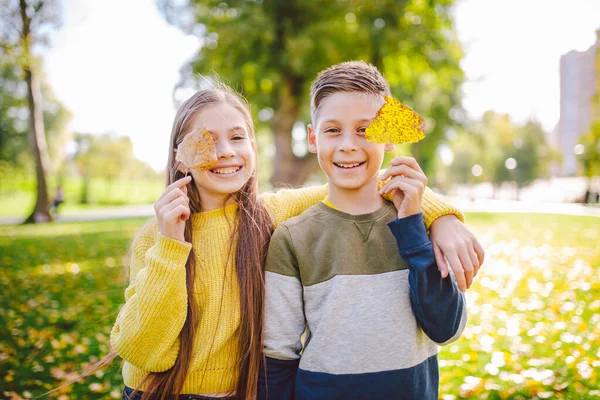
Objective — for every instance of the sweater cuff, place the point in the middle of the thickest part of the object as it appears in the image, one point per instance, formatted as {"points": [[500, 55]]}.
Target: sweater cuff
{"points": [[434, 207], [409, 232], [171, 251]]}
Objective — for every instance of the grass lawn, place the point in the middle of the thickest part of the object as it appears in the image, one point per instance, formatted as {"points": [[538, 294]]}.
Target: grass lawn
{"points": [[534, 311], [17, 197]]}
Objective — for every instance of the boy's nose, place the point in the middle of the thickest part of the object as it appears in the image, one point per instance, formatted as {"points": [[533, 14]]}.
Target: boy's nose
{"points": [[348, 142]]}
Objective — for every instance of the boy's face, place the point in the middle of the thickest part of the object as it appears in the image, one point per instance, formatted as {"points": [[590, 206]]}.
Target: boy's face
{"points": [[338, 138]]}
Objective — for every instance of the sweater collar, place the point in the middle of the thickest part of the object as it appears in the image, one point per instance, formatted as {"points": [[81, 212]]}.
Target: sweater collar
{"points": [[220, 215], [387, 205]]}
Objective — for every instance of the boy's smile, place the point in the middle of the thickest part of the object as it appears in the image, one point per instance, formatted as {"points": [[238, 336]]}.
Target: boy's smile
{"points": [[338, 137], [349, 165]]}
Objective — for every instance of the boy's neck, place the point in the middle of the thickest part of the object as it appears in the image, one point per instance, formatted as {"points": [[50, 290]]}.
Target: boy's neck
{"points": [[363, 200]]}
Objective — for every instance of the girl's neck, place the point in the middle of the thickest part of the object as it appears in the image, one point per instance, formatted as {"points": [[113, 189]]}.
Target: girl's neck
{"points": [[363, 200], [210, 201]]}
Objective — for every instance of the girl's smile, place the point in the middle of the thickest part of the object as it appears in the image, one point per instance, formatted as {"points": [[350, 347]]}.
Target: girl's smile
{"points": [[226, 171]]}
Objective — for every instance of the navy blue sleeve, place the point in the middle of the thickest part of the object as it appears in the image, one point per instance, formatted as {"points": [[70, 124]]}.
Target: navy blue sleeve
{"points": [[276, 379], [436, 302]]}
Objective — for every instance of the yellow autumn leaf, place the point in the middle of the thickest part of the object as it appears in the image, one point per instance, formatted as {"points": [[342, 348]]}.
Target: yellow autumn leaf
{"points": [[396, 124], [197, 151]]}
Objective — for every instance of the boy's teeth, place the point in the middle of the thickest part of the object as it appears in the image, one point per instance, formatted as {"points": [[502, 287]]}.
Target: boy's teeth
{"points": [[229, 170], [348, 165]]}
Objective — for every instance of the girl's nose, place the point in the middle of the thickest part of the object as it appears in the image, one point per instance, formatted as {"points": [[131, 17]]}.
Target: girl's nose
{"points": [[224, 149]]}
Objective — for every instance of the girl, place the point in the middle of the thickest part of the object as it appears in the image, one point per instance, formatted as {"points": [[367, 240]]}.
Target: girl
{"points": [[192, 319]]}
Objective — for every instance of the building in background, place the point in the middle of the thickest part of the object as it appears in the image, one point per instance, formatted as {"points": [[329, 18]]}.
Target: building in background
{"points": [[579, 103]]}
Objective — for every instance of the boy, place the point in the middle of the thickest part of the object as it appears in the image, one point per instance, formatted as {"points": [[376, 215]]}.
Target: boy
{"points": [[356, 273]]}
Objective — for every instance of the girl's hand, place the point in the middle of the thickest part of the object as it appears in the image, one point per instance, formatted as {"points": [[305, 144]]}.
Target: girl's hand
{"points": [[456, 247], [173, 209], [408, 184]]}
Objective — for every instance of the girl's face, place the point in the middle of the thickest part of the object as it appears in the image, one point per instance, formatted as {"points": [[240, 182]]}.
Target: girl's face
{"points": [[235, 149]]}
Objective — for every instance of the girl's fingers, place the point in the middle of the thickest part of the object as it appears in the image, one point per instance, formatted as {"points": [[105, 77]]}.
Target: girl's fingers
{"points": [[479, 250], [169, 213], [177, 184], [456, 266], [440, 260], [169, 197], [474, 260], [467, 265], [404, 170], [179, 212], [410, 161], [163, 209]]}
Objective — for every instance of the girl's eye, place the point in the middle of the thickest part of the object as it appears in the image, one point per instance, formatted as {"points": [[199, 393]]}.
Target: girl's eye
{"points": [[238, 137]]}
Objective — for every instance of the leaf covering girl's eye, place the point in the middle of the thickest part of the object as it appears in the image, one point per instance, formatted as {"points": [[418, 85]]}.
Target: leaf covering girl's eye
{"points": [[197, 151]]}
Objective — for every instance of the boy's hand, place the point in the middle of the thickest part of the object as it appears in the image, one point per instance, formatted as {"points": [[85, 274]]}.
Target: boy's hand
{"points": [[456, 247], [173, 209], [407, 185]]}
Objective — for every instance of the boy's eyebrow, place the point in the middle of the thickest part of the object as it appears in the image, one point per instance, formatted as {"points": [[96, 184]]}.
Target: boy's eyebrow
{"points": [[363, 119]]}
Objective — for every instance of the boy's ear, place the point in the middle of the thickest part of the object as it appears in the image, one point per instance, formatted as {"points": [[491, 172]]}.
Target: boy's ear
{"points": [[389, 147], [312, 139]]}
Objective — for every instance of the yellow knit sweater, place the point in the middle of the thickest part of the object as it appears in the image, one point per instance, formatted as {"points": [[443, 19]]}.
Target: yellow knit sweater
{"points": [[146, 331]]}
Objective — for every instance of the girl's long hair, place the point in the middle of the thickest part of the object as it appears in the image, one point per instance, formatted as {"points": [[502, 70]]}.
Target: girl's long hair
{"points": [[252, 230]]}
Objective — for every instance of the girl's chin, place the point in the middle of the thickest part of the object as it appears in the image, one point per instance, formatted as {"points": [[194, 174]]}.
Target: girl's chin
{"points": [[230, 189]]}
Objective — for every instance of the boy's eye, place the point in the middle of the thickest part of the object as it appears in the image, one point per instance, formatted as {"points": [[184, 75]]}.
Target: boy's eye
{"points": [[238, 137], [332, 130], [362, 130]]}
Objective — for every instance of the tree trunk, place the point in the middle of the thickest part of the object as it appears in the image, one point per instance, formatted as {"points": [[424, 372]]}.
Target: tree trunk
{"points": [[289, 170], [37, 142]]}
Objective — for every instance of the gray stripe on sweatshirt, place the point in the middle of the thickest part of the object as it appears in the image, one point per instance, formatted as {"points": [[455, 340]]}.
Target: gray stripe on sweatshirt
{"points": [[358, 323], [284, 316]]}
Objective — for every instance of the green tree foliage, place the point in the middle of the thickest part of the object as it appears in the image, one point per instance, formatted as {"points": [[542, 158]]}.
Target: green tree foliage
{"points": [[107, 157], [273, 49], [14, 146], [467, 151], [494, 139], [26, 24], [589, 159], [532, 153]]}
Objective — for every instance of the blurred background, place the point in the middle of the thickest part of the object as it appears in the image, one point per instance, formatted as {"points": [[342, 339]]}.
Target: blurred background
{"points": [[510, 91]]}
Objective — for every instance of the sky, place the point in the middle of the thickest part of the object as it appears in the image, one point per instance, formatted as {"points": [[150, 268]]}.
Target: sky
{"points": [[114, 64]]}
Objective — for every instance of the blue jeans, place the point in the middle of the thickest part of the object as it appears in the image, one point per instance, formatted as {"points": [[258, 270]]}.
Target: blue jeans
{"points": [[128, 391]]}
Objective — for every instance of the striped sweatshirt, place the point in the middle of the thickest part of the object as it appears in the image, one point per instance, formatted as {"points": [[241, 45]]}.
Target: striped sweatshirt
{"points": [[355, 308]]}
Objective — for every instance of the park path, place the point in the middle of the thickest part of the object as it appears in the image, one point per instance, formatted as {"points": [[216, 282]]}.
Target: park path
{"points": [[121, 212], [466, 205]]}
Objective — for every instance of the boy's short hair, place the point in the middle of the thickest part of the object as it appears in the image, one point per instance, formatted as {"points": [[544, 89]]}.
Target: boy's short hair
{"points": [[349, 76]]}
